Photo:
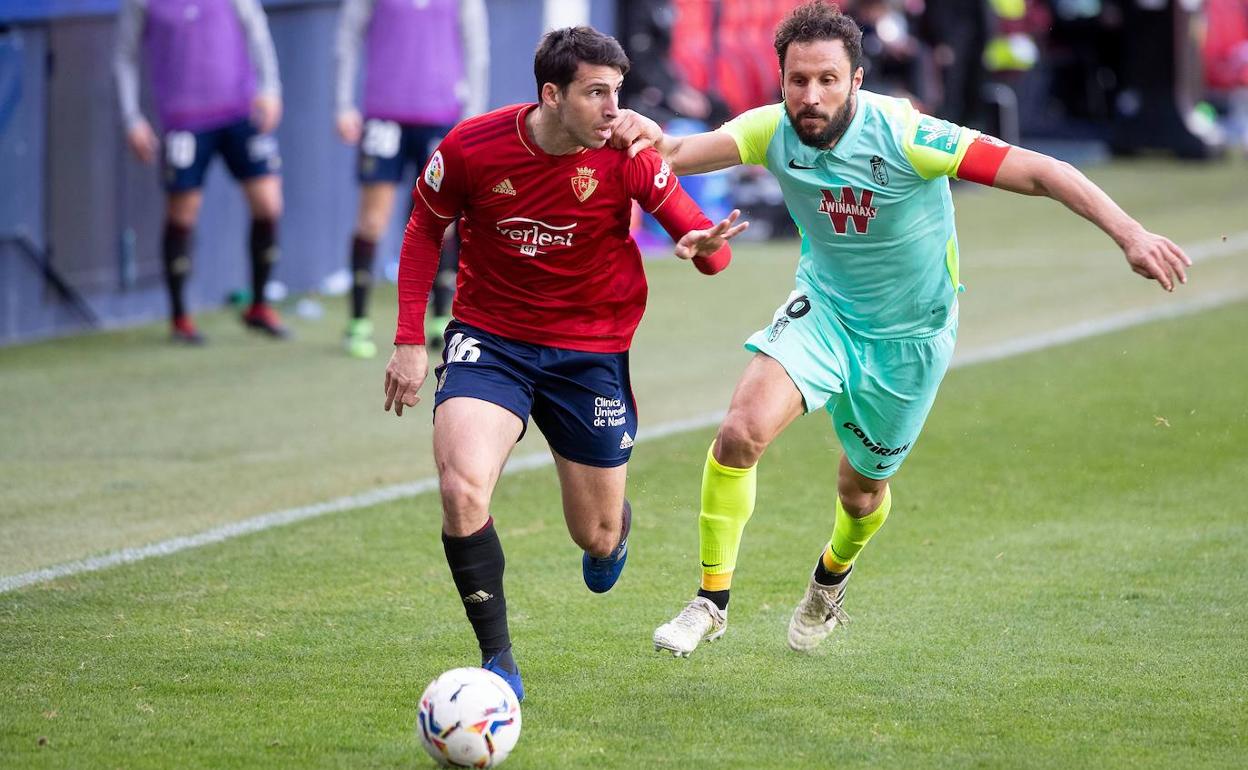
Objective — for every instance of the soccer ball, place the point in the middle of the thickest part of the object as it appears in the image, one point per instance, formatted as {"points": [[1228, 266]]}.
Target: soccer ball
{"points": [[468, 717]]}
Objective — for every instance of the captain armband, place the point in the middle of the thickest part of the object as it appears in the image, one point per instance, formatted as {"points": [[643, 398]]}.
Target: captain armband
{"points": [[983, 159]]}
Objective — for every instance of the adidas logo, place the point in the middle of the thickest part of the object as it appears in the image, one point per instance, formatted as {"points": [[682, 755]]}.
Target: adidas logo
{"points": [[626, 442], [504, 188], [477, 597]]}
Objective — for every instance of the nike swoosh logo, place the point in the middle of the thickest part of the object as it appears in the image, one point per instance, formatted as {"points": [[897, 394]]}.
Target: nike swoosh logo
{"points": [[795, 164], [708, 566], [879, 467]]}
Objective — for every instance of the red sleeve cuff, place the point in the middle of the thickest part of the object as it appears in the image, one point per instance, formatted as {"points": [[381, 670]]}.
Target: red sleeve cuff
{"points": [[715, 262]]}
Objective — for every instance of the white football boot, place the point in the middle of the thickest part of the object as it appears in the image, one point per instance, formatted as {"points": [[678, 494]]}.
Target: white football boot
{"points": [[817, 614], [699, 621]]}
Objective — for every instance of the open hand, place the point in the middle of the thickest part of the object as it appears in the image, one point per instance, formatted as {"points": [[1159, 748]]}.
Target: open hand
{"points": [[703, 243]]}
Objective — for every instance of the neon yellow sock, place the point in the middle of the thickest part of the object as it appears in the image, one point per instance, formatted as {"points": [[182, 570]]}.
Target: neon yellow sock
{"points": [[727, 502], [850, 535]]}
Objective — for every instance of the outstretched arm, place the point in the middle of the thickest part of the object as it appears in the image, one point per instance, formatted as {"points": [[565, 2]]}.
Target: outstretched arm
{"points": [[693, 154], [1150, 255], [652, 184]]}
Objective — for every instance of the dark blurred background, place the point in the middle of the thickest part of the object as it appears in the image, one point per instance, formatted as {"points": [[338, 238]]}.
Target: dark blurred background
{"points": [[80, 221]]}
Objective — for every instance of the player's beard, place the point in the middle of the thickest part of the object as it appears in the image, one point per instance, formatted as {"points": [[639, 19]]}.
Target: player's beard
{"points": [[836, 124]]}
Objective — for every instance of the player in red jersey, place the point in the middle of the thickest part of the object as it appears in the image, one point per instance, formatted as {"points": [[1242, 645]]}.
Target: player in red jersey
{"points": [[550, 291]]}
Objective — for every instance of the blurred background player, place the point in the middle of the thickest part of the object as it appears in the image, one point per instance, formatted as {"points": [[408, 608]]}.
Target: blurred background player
{"points": [[550, 293], [216, 88], [426, 67]]}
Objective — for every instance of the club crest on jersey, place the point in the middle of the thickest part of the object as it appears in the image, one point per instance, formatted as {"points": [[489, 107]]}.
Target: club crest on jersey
{"points": [[879, 171], [584, 184], [850, 207], [435, 171]]}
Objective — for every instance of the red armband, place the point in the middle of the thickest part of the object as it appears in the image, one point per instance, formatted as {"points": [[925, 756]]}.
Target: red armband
{"points": [[983, 159]]}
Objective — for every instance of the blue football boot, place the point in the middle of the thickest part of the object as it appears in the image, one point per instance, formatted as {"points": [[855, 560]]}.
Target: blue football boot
{"points": [[503, 664], [601, 573]]}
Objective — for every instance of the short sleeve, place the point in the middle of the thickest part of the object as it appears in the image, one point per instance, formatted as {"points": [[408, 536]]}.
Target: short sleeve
{"points": [[933, 146], [649, 179], [753, 130], [443, 184]]}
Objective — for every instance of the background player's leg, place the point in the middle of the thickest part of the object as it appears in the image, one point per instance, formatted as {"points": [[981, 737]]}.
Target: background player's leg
{"points": [[598, 518], [471, 442], [376, 204], [264, 197], [181, 214], [763, 405]]}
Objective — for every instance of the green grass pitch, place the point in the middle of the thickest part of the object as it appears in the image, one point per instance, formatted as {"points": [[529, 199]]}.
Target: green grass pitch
{"points": [[1061, 583]]}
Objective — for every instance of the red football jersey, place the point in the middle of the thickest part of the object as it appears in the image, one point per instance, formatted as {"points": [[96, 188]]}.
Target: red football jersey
{"points": [[545, 256]]}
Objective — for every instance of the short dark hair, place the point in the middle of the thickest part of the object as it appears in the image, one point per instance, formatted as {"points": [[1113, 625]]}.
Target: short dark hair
{"points": [[817, 20], [562, 51]]}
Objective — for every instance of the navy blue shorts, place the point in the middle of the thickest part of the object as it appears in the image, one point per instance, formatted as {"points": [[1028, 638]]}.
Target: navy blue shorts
{"points": [[581, 402], [387, 147], [247, 152]]}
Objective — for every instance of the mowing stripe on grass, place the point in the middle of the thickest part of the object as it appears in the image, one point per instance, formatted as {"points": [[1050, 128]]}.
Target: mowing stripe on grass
{"points": [[1019, 346]]}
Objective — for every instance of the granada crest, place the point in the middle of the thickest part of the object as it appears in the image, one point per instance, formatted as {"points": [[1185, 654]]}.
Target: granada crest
{"points": [[584, 184]]}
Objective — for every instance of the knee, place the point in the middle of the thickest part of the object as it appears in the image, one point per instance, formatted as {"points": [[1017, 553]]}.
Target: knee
{"points": [[465, 503], [266, 198], [738, 445], [183, 211], [598, 540], [861, 496], [371, 221], [268, 207]]}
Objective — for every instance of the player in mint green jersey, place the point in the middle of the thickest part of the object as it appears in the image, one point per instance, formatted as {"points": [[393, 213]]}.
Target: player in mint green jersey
{"points": [[869, 330]]}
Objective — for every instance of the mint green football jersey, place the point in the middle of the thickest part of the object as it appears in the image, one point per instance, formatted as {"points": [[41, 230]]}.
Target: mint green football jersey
{"points": [[875, 213]]}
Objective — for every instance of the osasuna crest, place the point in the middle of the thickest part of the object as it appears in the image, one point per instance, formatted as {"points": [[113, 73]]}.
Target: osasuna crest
{"points": [[584, 184]]}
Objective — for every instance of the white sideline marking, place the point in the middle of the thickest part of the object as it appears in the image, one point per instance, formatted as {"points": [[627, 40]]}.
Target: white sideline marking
{"points": [[1014, 347]]}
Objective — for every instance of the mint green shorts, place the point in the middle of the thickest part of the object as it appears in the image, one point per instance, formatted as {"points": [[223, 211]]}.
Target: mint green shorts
{"points": [[878, 391]]}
